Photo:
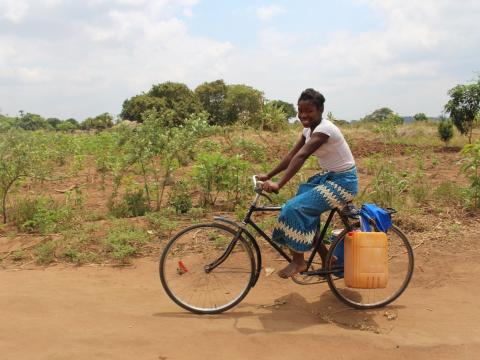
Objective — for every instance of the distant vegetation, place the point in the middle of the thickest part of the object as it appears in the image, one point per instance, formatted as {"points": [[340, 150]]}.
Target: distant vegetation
{"points": [[184, 154]]}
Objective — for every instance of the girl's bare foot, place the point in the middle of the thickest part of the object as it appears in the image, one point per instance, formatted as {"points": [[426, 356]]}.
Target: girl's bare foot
{"points": [[292, 269]]}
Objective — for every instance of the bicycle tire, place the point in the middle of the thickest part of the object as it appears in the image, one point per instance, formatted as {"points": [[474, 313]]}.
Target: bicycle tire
{"points": [[400, 267], [187, 282]]}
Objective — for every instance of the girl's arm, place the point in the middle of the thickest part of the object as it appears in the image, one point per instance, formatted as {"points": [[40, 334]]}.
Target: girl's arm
{"points": [[285, 161], [297, 160]]}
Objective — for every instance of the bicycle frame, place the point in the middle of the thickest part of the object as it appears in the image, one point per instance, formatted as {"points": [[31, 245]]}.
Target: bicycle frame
{"points": [[242, 229]]}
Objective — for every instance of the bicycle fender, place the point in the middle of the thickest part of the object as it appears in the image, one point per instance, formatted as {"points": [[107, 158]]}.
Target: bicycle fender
{"points": [[253, 242]]}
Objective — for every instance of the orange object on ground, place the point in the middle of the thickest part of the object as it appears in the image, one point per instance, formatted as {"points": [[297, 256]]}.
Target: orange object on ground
{"points": [[182, 266], [366, 260]]}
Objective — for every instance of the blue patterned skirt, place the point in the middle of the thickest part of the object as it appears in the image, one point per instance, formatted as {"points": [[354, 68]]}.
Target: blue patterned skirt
{"points": [[300, 216]]}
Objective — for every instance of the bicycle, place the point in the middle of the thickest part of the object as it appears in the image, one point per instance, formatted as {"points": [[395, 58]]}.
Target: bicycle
{"points": [[209, 268]]}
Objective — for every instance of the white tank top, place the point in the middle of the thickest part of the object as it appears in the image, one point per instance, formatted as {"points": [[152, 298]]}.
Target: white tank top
{"points": [[335, 154]]}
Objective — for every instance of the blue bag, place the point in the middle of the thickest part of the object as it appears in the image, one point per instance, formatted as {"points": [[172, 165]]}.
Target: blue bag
{"points": [[373, 213]]}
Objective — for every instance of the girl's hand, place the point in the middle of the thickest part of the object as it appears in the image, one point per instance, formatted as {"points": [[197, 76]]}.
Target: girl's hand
{"points": [[270, 186], [262, 177]]}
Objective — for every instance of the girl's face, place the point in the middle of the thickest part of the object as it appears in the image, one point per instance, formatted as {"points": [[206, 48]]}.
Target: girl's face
{"points": [[309, 114]]}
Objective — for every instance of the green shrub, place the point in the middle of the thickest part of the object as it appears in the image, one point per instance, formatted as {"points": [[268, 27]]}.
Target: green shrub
{"points": [[249, 150], [216, 173], [387, 188], [445, 131], [45, 252], [132, 204], [471, 168], [18, 255], [196, 213], [124, 241], [161, 223], [449, 193], [180, 198], [41, 214], [81, 245], [420, 192]]}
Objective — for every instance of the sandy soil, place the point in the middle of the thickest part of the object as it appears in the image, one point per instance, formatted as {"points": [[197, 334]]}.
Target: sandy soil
{"points": [[96, 312]]}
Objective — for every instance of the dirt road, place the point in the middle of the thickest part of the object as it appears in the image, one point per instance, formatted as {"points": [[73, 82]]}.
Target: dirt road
{"points": [[109, 313]]}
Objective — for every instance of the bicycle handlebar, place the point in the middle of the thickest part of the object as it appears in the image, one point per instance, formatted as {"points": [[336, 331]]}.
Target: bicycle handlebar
{"points": [[257, 186]]}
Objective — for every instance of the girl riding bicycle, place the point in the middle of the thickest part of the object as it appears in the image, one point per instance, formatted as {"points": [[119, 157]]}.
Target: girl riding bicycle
{"points": [[336, 185]]}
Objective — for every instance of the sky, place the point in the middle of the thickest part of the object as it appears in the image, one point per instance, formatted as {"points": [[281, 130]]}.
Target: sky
{"points": [[66, 58]]}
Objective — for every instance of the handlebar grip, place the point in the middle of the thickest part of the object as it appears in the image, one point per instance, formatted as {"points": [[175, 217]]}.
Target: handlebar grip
{"points": [[258, 184]]}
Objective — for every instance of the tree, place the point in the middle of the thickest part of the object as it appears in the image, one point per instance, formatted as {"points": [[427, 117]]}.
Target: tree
{"points": [[22, 154], [445, 130], [53, 122], [383, 114], [243, 103], [420, 117], [464, 107], [212, 96], [286, 107], [30, 121], [99, 122], [178, 98], [133, 108]]}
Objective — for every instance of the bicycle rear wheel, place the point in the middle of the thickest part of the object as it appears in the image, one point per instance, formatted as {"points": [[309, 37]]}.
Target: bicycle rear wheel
{"points": [[400, 269], [191, 280]]}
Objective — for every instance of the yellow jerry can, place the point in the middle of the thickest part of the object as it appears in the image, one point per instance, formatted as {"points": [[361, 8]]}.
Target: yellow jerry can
{"points": [[366, 260]]}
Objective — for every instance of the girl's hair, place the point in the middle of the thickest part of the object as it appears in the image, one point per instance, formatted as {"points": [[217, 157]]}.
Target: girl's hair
{"points": [[313, 96]]}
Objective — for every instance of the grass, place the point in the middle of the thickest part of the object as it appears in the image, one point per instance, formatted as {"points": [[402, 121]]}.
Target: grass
{"points": [[124, 241]]}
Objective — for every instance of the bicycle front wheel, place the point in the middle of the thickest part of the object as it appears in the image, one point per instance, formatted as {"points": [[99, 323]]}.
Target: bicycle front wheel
{"points": [[400, 269], [207, 268]]}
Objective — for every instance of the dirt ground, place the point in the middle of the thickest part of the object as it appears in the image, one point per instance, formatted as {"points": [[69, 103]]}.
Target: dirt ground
{"points": [[96, 312]]}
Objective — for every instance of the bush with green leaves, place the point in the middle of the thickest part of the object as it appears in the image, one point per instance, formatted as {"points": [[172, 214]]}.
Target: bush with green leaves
{"points": [[216, 173], [180, 198], [387, 188], [157, 149], [124, 241], [81, 245], [471, 168], [445, 131], [45, 252], [19, 255], [449, 193], [388, 128], [273, 118], [248, 149], [132, 204], [162, 222], [22, 155], [41, 214]]}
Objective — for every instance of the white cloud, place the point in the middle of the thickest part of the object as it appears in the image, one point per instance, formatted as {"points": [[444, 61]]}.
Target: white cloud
{"points": [[14, 10], [266, 13], [103, 56], [408, 64]]}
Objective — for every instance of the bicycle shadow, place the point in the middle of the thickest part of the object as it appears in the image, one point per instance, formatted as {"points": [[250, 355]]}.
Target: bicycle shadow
{"points": [[292, 312]]}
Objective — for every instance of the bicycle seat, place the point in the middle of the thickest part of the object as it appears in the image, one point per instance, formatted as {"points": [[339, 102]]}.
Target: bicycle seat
{"points": [[350, 210]]}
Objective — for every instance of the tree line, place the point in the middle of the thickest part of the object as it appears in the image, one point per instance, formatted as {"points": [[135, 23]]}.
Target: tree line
{"points": [[223, 104]]}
